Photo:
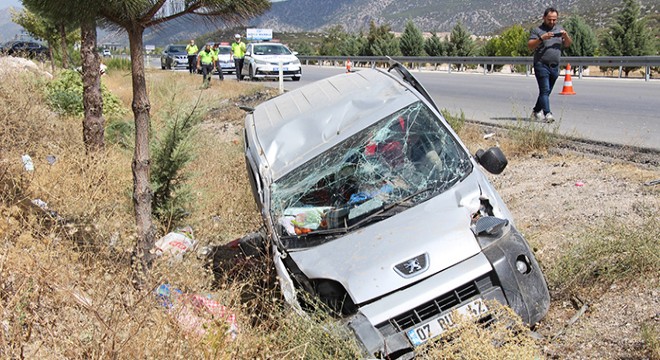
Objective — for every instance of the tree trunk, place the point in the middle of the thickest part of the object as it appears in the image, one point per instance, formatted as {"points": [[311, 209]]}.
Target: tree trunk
{"points": [[142, 194], [50, 56], [65, 50], [93, 122]]}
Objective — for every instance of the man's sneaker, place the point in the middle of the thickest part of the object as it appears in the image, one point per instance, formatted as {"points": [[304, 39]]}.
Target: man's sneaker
{"points": [[536, 116], [549, 118]]}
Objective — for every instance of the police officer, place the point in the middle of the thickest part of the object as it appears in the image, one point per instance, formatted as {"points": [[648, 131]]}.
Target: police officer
{"points": [[205, 61], [192, 50], [238, 53], [216, 61]]}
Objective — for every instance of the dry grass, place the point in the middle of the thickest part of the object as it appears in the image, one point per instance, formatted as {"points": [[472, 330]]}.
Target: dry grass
{"points": [[505, 338], [65, 289], [65, 283]]}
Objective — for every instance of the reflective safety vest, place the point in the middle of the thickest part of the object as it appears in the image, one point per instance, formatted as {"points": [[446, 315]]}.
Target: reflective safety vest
{"points": [[205, 57], [238, 49], [215, 52], [191, 49]]}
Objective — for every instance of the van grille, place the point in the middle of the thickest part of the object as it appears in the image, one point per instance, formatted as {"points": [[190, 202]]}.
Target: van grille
{"points": [[440, 304]]}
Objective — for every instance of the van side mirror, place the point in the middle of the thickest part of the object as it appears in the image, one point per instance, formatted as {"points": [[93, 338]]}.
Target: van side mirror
{"points": [[493, 160]]}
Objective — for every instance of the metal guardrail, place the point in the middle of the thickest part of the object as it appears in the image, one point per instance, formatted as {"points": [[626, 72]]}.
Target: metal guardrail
{"points": [[577, 62]]}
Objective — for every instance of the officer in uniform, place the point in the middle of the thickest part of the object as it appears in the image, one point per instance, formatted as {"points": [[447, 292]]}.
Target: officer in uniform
{"points": [[206, 61], [238, 52], [192, 50]]}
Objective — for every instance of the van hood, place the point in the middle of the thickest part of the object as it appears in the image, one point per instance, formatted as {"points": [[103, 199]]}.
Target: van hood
{"points": [[370, 262]]}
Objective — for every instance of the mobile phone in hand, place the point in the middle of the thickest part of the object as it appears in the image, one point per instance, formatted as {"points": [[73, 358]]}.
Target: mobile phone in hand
{"points": [[557, 34]]}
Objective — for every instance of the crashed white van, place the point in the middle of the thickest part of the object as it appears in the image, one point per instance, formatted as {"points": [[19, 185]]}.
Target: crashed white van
{"points": [[373, 205]]}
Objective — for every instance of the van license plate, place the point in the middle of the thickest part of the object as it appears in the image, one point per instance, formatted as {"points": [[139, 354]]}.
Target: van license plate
{"points": [[436, 327]]}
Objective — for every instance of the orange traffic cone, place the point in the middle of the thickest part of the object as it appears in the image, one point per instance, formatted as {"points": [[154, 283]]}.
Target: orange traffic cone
{"points": [[348, 65], [568, 83]]}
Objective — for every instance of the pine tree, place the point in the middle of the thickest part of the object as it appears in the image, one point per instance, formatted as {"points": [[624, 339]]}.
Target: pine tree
{"points": [[584, 38], [353, 45], [381, 42], [412, 41], [331, 43], [433, 46], [460, 43], [628, 35]]}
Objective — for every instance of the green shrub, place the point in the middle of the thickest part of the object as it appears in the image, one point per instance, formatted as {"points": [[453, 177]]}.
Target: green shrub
{"points": [[528, 136], [171, 153], [118, 63], [65, 96], [455, 121], [121, 133]]}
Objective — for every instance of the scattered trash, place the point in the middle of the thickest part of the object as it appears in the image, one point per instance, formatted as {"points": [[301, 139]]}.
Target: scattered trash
{"points": [[27, 163], [44, 206], [51, 159], [489, 135], [579, 183], [204, 252], [40, 203], [176, 243], [652, 182], [195, 313]]}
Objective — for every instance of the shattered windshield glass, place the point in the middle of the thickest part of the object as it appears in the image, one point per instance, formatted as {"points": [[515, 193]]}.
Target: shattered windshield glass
{"points": [[406, 157]]}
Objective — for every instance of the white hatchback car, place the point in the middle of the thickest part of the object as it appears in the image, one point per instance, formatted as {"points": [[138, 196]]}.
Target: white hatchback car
{"points": [[263, 60]]}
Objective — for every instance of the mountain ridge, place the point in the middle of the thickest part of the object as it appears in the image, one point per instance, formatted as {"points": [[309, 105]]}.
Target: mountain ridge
{"points": [[480, 17]]}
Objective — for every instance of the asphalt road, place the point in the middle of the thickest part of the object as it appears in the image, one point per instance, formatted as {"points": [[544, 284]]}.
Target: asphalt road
{"points": [[618, 111]]}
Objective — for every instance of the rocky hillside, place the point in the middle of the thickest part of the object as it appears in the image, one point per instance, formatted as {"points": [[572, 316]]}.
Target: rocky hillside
{"points": [[481, 17]]}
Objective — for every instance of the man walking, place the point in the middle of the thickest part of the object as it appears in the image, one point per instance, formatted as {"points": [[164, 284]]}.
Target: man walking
{"points": [[205, 60], [238, 53], [192, 50], [547, 41]]}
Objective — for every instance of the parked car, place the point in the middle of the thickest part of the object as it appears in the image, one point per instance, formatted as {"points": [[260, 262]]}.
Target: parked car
{"points": [[373, 205], [225, 60], [174, 56], [262, 60], [106, 53], [29, 49]]}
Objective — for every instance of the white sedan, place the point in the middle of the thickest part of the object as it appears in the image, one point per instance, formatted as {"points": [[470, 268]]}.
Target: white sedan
{"points": [[263, 60]]}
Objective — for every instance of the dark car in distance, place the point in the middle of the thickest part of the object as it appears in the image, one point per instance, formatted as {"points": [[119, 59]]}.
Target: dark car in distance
{"points": [[174, 56], [28, 49]]}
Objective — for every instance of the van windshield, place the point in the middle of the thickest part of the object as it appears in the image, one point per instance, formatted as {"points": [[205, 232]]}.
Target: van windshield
{"points": [[409, 155]]}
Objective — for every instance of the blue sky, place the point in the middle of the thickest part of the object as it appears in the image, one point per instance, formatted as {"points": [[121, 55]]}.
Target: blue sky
{"points": [[8, 3]]}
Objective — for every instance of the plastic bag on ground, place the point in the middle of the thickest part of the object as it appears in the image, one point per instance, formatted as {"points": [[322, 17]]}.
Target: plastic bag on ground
{"points": [[194, 313], [176, 243]]}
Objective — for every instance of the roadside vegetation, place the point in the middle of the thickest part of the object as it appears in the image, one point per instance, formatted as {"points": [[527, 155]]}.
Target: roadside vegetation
{"points": [[67, 232], [627, 34]]}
